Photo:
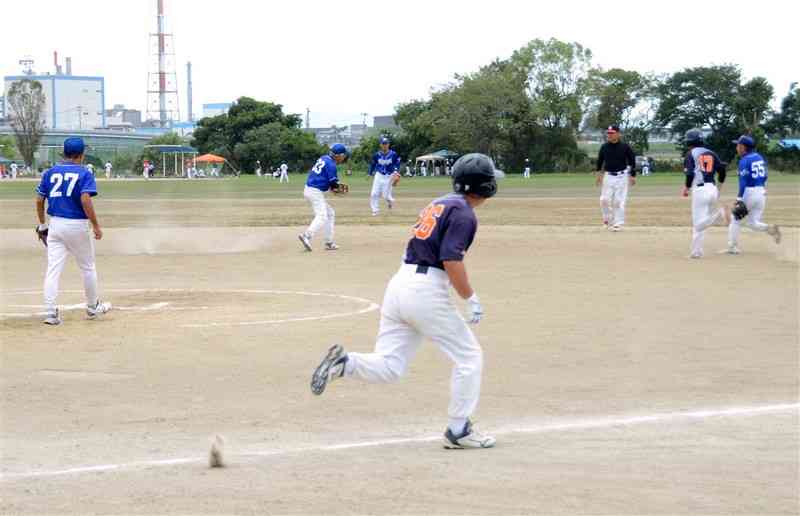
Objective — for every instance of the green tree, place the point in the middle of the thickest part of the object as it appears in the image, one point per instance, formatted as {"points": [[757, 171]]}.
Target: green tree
{"points": [[25, 101], [416, 126], [8, 149], [712, 97], [556, 79], [787, 121], [252, 130]]}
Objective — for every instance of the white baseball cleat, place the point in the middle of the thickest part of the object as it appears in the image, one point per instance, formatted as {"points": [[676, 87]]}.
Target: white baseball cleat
{"points": [[305, 238], [331, 246], [331, 367], [98, 309], [775, 231], [52, 318], [732, 249], [616, 227], [470, 438], [696, 256]]}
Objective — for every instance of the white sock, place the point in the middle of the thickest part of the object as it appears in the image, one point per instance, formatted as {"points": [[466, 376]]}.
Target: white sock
{"points": [[456, 425]]}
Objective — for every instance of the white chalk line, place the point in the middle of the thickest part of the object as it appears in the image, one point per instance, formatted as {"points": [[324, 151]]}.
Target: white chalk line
{"points": [[574, 425], [371, 306]]}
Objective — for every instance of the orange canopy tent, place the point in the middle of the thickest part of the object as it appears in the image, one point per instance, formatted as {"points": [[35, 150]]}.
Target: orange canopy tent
{"points": [[210, 158]]}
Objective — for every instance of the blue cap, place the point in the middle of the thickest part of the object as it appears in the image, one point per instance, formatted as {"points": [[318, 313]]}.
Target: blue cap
{"points": [[74, 146], [745, 140], [338, 148], [383, 140]]}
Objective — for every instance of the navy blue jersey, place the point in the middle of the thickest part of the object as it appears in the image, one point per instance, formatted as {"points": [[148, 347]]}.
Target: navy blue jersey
{"points": [[323, 174], [63, 186], [700, 166], [444, 231], [385, 164]]}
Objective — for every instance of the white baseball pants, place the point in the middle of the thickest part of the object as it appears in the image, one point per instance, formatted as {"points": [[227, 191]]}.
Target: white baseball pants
{"points": [[285, 176], [324, 216], [69, 236], [416, 306], [704, 199], [755, 198], [381, 187], [613, 196]]}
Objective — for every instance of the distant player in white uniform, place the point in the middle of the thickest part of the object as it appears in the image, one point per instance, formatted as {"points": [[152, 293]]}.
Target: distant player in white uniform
{"points": [[68, 189], [527, 172], [14, 169], [385, 167], [417, 304], [423, 170], [109, 167], [258, 168], [703, 168], [323, 177], [284, 173], [645, 166], [90, 168], [752, 193]]}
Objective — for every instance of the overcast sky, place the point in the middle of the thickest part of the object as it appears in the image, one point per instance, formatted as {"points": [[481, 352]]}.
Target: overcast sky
{"points": [[350, 56]]}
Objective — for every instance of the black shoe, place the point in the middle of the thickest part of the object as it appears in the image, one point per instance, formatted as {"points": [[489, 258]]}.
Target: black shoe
{"points": [[331, 367]]}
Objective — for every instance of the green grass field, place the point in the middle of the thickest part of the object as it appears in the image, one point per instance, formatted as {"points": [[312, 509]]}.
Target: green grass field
{"points": [[247, 187]]}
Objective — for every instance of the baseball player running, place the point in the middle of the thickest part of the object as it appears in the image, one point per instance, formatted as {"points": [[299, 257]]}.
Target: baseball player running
{"points": [[284, 172], [417, 304], [385, 167], [700, 166], [68, 189], [617, 158], [321, 178], [14, 168], [752, 197], [109, 167]]}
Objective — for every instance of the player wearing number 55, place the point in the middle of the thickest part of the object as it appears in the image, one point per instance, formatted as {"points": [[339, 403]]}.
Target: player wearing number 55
{"points": [[417, 304], [68, 189]]}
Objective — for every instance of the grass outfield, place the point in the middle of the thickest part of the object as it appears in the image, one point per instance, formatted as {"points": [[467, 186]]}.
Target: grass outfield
{"points": [[548, 185]]}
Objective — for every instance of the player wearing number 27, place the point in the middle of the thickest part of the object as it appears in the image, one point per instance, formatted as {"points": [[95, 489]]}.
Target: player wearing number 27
{"points": [[752, 191], [417, 304], [68, 189]]}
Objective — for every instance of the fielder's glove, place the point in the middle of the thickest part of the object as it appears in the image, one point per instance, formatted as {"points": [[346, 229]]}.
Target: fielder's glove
{"points": [[475, 309], [341, 188], [395, 179], [739, 210], [41, 233]]}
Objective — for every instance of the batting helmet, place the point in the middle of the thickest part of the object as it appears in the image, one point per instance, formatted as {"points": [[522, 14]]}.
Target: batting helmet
{"points": [[694, 137], [475, 174]]}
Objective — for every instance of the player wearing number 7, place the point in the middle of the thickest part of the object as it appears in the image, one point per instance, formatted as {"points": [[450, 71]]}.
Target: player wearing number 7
{"points": [[417, 304], [68, 189]]}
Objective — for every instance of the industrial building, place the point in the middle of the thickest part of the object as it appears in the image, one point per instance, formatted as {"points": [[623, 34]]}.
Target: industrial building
{"points": [[72, 102]]}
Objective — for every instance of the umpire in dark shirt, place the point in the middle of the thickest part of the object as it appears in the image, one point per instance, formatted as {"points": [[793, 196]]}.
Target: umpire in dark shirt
{"points": [[616, 170]]}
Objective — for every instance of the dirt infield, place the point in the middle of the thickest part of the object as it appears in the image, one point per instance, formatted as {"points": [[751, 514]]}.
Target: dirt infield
{"points": [[620, 377]]}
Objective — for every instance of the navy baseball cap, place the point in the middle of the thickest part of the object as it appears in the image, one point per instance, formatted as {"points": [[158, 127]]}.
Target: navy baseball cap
{"points": [[612, 129], [74, 146], [384, 139], [338, 148], [745, 140]]}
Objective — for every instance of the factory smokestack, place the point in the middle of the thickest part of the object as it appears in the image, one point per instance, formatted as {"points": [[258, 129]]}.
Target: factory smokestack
{"points": [[190, 118], [55, 62], [69, 66]]}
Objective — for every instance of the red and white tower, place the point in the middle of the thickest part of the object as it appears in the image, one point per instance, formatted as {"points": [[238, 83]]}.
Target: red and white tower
{"points": [[162, 80]]}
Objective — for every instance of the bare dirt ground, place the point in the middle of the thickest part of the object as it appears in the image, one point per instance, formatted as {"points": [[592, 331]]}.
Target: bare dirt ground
{"points": [[620, 377]]}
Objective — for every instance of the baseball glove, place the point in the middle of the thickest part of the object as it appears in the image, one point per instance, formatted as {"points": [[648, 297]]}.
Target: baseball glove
{"points": [[341, 188], [41, 233], [739, 210], [395, 179]]}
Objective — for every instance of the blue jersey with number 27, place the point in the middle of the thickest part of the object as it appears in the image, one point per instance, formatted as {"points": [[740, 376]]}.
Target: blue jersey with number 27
{"points": [[322, 174], [63, 186]]}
